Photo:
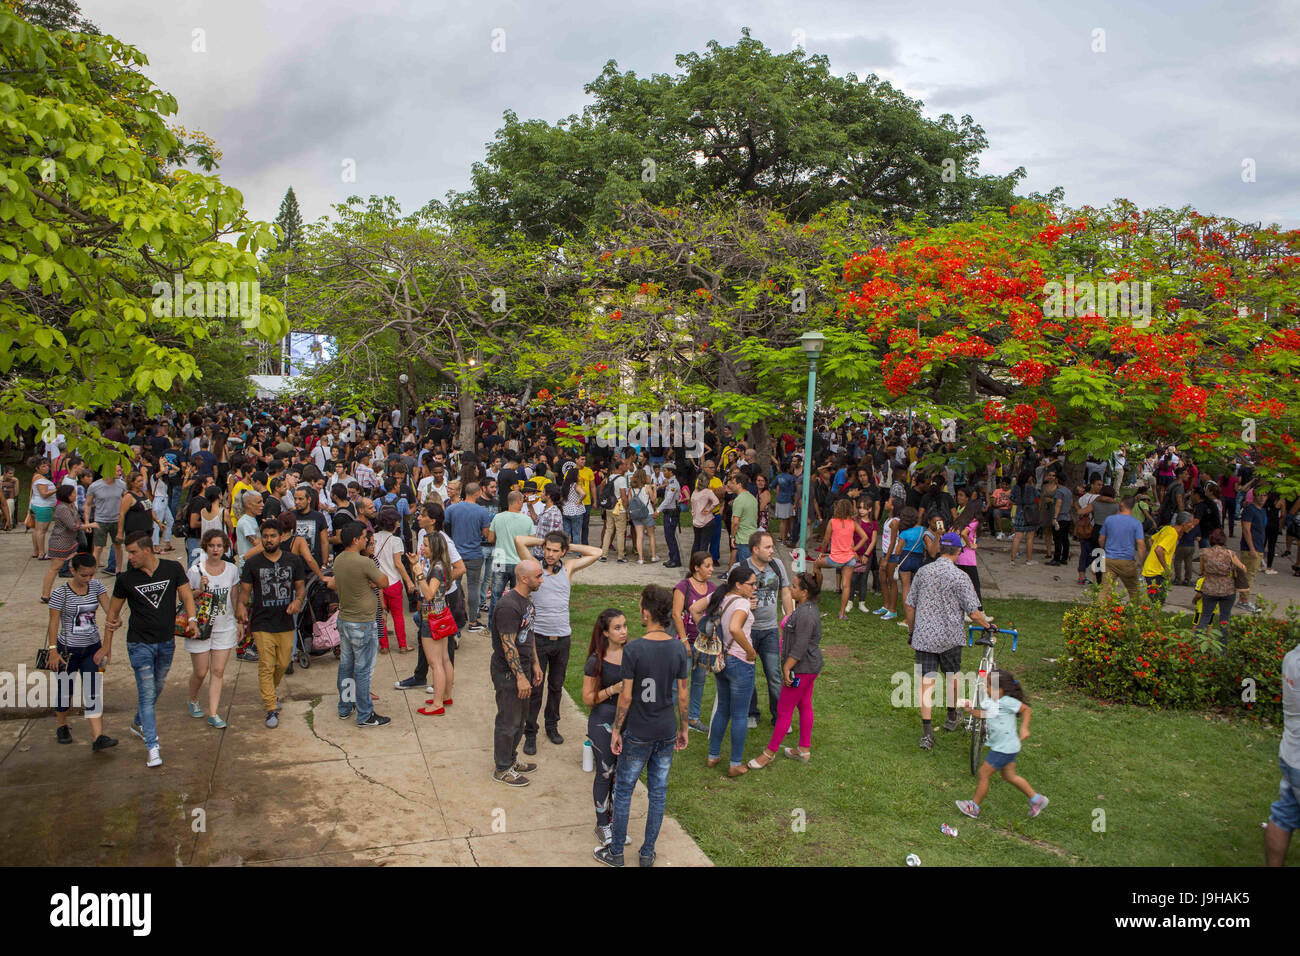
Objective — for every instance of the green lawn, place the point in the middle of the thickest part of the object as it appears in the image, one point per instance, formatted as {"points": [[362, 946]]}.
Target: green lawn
{"points": [[1177, 788]]}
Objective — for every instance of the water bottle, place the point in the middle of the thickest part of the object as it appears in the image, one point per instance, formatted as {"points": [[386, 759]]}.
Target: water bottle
{"points": [[588, 757]]}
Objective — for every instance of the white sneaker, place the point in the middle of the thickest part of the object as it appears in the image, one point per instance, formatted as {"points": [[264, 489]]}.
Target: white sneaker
{"points": [[1030, 562], [155, 758], [753, 723], [1269, 571], [862, 606]]}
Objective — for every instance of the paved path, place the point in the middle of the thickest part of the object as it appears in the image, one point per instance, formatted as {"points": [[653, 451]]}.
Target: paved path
{"points": [[316, 790]]}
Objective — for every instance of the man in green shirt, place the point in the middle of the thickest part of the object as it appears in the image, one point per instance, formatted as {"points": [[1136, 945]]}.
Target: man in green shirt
{"points": [[501, 535], [357, 579], [744, 517]]}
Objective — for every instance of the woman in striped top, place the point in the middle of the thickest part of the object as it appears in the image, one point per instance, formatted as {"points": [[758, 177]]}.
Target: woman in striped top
{"points": [[76, 648]]}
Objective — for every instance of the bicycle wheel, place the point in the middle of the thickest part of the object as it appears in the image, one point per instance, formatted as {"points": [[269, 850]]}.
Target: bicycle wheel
{"points": [[977, 735]]}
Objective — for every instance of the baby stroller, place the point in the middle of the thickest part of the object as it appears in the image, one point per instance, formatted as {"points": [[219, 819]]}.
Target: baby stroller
{"points": [[319, 605]]}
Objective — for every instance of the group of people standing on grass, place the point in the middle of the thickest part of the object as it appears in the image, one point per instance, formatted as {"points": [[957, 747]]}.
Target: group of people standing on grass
{"points": [[288, 510]]}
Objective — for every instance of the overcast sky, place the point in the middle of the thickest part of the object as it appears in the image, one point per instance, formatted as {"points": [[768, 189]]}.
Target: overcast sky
{"points": [[1182, 95]]}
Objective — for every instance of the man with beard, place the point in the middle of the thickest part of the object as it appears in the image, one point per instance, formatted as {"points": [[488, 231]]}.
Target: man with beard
{"points": [[275, 579], [551, 629], [311, 524]]}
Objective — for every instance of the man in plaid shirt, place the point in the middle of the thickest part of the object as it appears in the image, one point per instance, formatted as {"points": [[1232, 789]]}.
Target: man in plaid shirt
{"points": [[365, 475], [940, 597], [552, 519]]}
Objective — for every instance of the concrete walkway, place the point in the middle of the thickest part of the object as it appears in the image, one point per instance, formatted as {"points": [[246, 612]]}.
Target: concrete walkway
{"points": [[314, 791]]}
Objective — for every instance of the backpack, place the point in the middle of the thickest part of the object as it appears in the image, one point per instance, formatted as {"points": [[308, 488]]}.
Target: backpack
{"points": [[607, 497], [638, 509], [710, 651]]}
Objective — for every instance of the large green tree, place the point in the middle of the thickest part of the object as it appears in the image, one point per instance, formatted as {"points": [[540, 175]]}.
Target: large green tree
{"points": [[419, 295], [737, 121], [289, 221], [94, 230]]}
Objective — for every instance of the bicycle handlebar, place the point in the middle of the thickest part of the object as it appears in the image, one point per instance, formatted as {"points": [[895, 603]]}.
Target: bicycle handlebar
{"points": [[972, 629]]}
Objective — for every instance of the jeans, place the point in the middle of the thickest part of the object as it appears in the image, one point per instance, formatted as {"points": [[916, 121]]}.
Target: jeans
{"points": [[698, 675], [701, 539], [573, 528], [150, 663], [553, 657], [485, 587], [586, 523], [472, 584], [671, 517], [174, 504], [656, 756], [735, 684], [193, 549], [1230, 514], [511, 714], [358, 646], [1208, 605], [502, 579], [768, 645], [742, 553], [1086, 547], [162, 535], [715, 538]]}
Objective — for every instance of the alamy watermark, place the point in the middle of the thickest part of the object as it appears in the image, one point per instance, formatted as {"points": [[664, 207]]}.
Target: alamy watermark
{"points": [[206, 299], [665, 429], [1107, 299], [38, 689]]}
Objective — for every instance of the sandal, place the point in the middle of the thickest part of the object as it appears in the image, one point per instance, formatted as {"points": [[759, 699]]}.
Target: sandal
{"points": [[383, 650], [761, 761], [794, 754]]}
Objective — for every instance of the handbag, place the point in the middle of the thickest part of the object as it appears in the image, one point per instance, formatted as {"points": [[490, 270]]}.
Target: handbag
{"points": [[1239, 578], [442, 625], [710, 651], [43, 657]]}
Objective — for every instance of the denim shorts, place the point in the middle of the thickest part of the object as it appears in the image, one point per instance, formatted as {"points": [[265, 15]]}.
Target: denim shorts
{"points": [[911, 564], [832, 563], [997, 759], [1286, 810]]}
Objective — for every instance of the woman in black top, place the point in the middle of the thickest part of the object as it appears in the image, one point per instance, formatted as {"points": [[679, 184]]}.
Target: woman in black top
{"points": [[137, 510], [602, 680]]}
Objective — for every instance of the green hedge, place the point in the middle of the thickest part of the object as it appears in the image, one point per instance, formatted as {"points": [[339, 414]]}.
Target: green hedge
{"points": [[1137, 654]]}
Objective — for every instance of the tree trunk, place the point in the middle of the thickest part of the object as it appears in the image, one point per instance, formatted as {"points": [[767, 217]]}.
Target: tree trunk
{"points": [[468, 427]]}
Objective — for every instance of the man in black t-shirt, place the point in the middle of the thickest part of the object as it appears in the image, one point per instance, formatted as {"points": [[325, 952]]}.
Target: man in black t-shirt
{"points": [[150, 587], [275, 579], [655, 671], [312, 526], [515, 672], [506, 479]]}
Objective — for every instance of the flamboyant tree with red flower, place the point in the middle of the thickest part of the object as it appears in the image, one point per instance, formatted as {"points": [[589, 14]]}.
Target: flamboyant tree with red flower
{"points": [[1004, 324]]}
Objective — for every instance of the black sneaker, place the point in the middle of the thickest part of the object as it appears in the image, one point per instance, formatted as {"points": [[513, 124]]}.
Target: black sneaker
{"points": [[103, 742], [375, 721], [554, 737], [530, 744], [511, 778], [647, 861], [249, 656], [603, 855], [475, 626], [409, 684], [63, 735], [347, 716]]}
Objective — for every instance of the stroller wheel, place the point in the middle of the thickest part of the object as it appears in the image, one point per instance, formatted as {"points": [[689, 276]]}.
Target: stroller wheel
{"points": [[304, 660]]}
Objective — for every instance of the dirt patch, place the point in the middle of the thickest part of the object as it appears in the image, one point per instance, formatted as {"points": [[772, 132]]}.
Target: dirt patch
{"points": [[837, 652]]}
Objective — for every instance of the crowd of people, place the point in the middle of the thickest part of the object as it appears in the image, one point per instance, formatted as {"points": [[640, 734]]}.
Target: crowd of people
{"points": [[286, 518]]}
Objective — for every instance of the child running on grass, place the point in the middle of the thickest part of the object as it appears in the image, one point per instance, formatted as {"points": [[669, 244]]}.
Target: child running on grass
{"points": [[1003, 700]]}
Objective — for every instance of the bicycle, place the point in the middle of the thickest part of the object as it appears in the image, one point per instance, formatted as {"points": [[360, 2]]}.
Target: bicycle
{"points": [[975, 724]]}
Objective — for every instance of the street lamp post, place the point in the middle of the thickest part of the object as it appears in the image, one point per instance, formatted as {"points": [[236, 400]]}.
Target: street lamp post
{"points": [[401, 391], [812, 344]]}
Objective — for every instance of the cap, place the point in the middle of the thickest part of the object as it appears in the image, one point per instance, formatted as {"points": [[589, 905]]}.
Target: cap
{"points": [[669, 466], [951, 540]]}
